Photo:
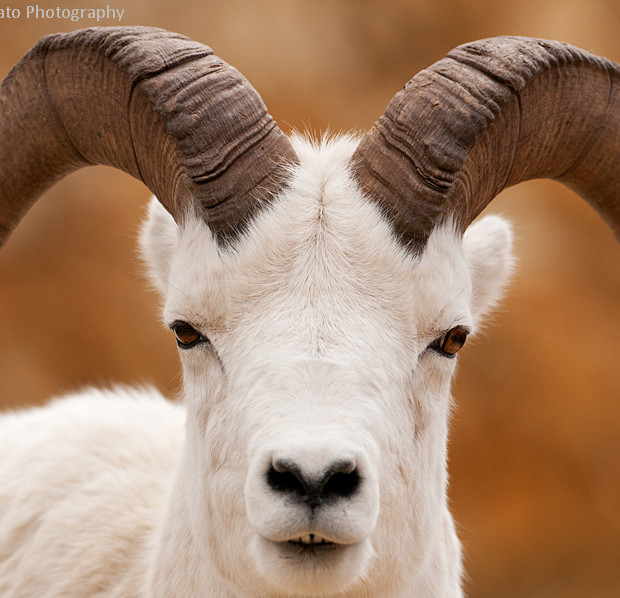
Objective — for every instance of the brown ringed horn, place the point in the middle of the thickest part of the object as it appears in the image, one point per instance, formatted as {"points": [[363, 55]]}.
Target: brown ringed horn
{"points": [[491, 114], [152, 103]]}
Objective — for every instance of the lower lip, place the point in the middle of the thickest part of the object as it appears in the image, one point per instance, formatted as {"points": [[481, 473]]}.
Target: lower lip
{"points": [[302, 546], [301, 550]]}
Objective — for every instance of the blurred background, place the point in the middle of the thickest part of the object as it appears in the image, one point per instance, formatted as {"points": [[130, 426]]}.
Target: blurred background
{"points": [[535, 448]]}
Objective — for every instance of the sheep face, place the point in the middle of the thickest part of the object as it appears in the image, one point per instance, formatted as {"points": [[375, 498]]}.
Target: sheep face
{"points": [[317, 387]]}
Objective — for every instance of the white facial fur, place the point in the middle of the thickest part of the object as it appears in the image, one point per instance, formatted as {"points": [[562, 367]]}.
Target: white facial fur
{"points": [[319, 325]]}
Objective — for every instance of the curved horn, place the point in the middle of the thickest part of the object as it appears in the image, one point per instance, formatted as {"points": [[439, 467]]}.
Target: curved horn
{"points": [[491, 114], [149, 102]]}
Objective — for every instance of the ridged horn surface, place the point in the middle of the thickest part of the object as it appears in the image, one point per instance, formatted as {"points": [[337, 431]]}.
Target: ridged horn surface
{"points": [[491, 114], [152, 103]]}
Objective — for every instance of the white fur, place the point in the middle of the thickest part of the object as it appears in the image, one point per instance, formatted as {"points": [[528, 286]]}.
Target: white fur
{"points": [[319, 325]]}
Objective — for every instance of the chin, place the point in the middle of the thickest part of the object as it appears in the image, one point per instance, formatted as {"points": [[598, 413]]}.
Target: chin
{"points": [[311, 568]]}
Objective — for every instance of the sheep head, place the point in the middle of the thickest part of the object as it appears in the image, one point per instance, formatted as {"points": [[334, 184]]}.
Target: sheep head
{"points": [[318, 295], [317, 357]]}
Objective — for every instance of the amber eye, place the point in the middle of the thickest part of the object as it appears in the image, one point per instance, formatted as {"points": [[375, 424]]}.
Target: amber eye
{"points": [[187, 336], [449, 343]]}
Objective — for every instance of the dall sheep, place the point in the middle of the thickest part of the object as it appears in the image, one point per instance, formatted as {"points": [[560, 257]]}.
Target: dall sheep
{"points": [[319, 293]]}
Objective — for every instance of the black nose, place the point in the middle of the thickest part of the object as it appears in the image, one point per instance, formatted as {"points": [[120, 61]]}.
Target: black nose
{"points": [[339, 480]]}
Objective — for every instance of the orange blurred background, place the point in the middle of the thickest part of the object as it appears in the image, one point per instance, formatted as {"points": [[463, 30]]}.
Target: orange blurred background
{"points": [[535, 449]]}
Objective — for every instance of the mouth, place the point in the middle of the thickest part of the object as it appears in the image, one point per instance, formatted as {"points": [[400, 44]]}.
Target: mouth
{"points": [[310, 540], [308, 546], [311, 544], [311, 563]]}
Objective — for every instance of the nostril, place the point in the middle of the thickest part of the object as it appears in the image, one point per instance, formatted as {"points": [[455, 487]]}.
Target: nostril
{"points": [[284, 476], [342, 484], [340, 480]]}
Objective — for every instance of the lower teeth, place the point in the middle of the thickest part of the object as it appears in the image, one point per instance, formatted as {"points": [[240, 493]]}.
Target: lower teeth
{"points": [[311, 540]]}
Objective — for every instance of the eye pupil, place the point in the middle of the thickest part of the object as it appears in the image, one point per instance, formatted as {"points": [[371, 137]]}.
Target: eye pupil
{"points": [[450, 343], [186, 335], [453, 340]]}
